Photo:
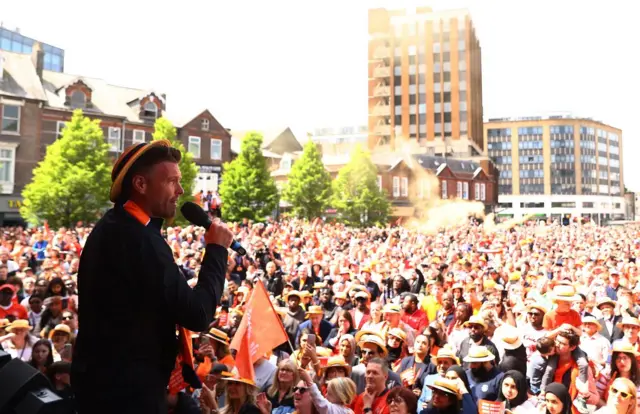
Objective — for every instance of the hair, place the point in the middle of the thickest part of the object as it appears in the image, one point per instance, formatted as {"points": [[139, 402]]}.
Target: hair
{"points": [[407, 395], [352, 342], [15, 281], [60, 367], [36, 296], [544, 345], [275, 385], [382, 363], [307, 331], [250, 399], [344, 389], [433, 333], [634, 374], [143, 165], [467, 308], [413, 298], [631, 408], [582, 295], [347, 315], [574, 340], [47, 344]]}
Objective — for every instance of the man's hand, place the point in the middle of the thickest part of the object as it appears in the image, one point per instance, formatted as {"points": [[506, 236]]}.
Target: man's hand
{"points": [[219, 233], [367, 398]]}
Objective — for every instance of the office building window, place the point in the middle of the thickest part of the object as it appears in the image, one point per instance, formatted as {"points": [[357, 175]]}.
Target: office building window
{"points": [[443, 189], [404, 187], [460, 44], [437, 117], [446, 97], [412, 50], [60, 128], [463, 116], [412, 99], [422, 108], [462, 85], [194, 146], [422, 120], [216, 149], [422, 98], [438, 128], [11, 119], [396, 187], [115, 139], [412, 119], [138, 136], [437, 77], [446, 76], [436, 48], [397, 70], [447, 117]]}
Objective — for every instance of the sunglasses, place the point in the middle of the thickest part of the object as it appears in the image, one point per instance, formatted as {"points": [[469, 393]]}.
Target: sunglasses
{"points": [[397, 400], [301, 390], [624, 395], [534, 313], [367, 352]]}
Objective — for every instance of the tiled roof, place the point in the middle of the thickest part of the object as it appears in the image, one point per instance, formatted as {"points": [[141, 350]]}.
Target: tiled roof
{"points": [[456, 165], [19, 77]]}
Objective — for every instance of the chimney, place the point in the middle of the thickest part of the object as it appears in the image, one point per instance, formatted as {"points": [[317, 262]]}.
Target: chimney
{"points": [[37, 57]]}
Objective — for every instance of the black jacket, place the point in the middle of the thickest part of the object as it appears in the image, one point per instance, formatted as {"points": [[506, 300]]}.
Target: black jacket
{"points": [[466, 345], [617, 332], [133, 296]]}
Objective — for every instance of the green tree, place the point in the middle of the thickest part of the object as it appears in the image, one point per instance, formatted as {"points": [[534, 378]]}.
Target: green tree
{"points": [[309, 186], [72, 182], [188, 168], [356, 195], [247, 189]]}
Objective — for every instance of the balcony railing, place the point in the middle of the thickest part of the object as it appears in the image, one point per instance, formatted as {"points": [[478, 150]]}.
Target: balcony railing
{"points": [[382, 72], [381, 110], [382, 130], [382, 90], [382, 53]]}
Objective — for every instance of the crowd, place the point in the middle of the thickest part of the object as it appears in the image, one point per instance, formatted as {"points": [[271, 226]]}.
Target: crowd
{"points": [[531, 318]]}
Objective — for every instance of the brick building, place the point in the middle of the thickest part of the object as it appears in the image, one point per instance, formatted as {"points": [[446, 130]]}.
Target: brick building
{"points": [[35, 104]]}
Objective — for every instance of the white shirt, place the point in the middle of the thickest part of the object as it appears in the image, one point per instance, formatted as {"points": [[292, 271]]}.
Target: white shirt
{"points": [[529, 338], [597, 347]]}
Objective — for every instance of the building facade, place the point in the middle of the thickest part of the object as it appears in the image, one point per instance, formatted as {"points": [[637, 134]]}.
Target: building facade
{"points": [[340, 140], [35, 105], [557, 165], [425, 81], [14, 41]]}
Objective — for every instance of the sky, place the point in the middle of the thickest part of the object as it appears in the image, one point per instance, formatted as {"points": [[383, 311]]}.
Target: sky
{"points": [[266, 64]]}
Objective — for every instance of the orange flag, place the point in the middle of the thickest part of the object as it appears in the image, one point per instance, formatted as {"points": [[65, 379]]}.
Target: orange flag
{"points": [[260, 331]]}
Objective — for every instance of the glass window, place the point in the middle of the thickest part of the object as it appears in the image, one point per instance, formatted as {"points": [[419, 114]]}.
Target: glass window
{"points": [[6, 165], [404, 187], [59, 128], [150, 110], [461, 44], [422, 108], [397, 70], [465, 190], [380, 182], [204, 124], [194, 146], [78, 99], [138, 136], [114, 139], [462, 85], [396, 186], [476, 191], [412, 50], [483, 189], [11, 119], [443, 189], [459, 189]]}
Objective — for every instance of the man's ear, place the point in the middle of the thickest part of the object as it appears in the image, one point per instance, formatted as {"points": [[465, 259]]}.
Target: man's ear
{"points": [[139, 184]]}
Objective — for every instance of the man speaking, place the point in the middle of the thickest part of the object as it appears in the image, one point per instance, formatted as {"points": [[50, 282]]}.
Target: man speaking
{"points": [[133, 294]]}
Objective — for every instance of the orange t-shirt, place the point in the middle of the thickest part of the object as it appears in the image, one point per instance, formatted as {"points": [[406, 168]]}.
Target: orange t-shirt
{"points": [[379, 405], [552, 320], [16, 310]]}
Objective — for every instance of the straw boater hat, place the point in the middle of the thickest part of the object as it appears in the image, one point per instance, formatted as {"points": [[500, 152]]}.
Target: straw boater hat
{"points": [[565, 293], [60, 328], [398, 333], [19, 324], [626, 347], [537, 306], [375, 340], [475, 320], [446, 385], [337, 362], [237, 378], [446, 353], [359, 334], [391, 308], [628, 321], [124, 163], [509, 338], [479, 354], [593, 320], [340, 295], [218, 336], [292, 293], [362, 294], [314, 310], [605, 300]]}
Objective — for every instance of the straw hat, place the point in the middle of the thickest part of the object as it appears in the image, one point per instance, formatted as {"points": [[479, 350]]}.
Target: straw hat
{"points": [[341, 295], [537, 306], [457, 286], [375, 340], [626, 347], [4, 323], [398, 333], [593, 320], [605, 300], [218, 335], [391, 308], [124, 163], [292, 293], [60, 328], [20, 324], [479, 354], [446, 385], [362, 294], [565, 293], [509, 338], [475, 320], [515, 276], [446, 353], [628, 320], [314, 310], [361, 333], [337, 362], [237, 378], [319, 285]]}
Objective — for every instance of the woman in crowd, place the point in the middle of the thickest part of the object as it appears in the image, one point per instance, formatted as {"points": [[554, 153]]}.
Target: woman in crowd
{"points": [[20, 345], [557, 399], [240, 398], [60, 336], [344, 327], [396, 347], [348, 350], [624, 364], [280, 394], [401, 400], [513, 390], [340, 393], [455, 373], [375, 323], [450, 397], [622, 398], [41, 355], [336, 367]]}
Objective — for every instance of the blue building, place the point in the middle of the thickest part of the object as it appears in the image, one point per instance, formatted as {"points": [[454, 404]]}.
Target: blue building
{"points": [[13, 41]]}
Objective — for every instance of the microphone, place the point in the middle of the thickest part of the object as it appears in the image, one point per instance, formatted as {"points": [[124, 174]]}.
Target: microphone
{"points": [[197, 216]]}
